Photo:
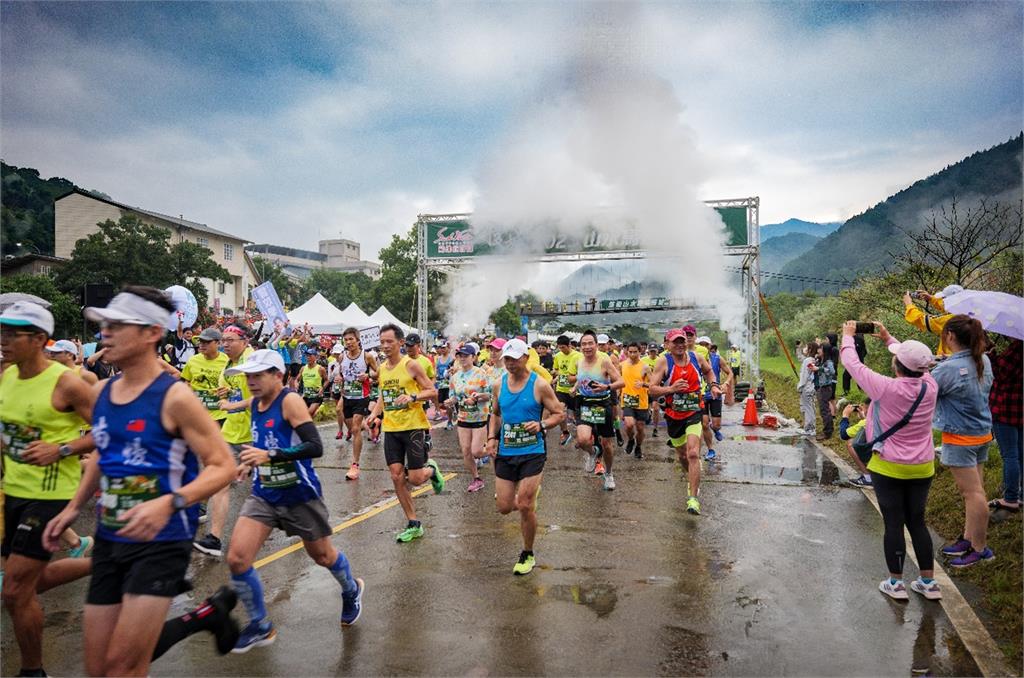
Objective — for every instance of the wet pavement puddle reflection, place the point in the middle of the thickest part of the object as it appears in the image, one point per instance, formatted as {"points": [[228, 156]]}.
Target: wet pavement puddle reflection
{"points": [[599, 597]]}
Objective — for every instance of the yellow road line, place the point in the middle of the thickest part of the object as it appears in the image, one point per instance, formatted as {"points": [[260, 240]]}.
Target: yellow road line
{"points": [[355, 520]]}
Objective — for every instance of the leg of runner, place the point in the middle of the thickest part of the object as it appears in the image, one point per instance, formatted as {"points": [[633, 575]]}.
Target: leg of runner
{"points": [[616, 422], [324, 554], [469, 458], [692, 466], [355, 425], [707, 435], [21, 578], [246, 540], [640, 425], [217, 507], [585, 442], [607, 457], [526, 496], [63, 571], [630, 422], [120, 639], [655, 417], [339, 413]]}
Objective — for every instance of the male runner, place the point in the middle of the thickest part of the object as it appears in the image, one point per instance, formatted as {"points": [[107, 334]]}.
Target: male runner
{"points": [[43, 408], [443, 365], [635, 406], [606, 347], [404, 386], [735, 360], [564, 365], [517, 442], [414, 349], [357, 368], [676, 378], [66, 353], [313, 378], [713, 406], [145, 426], [286, 494], [650, 360], [596, 379], [202, 372]]}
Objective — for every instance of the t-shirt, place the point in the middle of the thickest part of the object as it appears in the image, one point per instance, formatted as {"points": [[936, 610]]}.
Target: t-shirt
{"points": [[203, 375], [463, 383], [566, 366], [237, 425], [633, 396]]}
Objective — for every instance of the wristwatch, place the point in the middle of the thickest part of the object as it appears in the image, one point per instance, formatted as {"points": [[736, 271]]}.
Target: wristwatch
{"points": [[65, 451], [543, 428], [178, 502]]}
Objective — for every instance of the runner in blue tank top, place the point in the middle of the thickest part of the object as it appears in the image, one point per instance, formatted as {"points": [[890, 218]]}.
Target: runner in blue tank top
{"points": [[148, 430], [516, 442], [713, 406], [285, 495]]}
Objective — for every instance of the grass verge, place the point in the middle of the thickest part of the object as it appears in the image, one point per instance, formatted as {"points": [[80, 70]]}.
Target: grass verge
{"points": [[1000, 582]]}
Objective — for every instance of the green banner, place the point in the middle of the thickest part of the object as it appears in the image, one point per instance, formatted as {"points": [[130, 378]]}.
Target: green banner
{"points": [[454, 238]]}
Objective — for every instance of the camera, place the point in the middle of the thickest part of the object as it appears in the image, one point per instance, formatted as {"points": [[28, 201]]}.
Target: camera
{"points": [[865, 328]]}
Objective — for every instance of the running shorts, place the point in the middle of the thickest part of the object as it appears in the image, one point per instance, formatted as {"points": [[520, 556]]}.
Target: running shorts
{"points": [[307, 520], [713, 408], [443, 394], [318, 400], [24, 523], [355, 406], [472, 424], [566, 399], [515, 467], [153, 568], [603, 427], [408, 448], [294, 369], [682, 428], [638, 414]]}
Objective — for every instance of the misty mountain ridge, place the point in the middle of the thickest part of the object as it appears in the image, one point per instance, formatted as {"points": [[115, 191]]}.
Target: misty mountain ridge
{"points": [[817, 229]]}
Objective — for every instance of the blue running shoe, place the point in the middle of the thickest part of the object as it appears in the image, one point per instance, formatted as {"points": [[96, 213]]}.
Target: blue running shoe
{"points": [[255, 634], [711, 455], [352, 605], [957, 548], [718, 435]]}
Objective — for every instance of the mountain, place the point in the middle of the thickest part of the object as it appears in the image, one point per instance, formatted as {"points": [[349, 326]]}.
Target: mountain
{"points": [[778, 251], [862, 244], [27, 213], [788, 226]]}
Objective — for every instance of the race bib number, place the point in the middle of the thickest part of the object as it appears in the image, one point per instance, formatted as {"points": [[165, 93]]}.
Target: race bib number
{"points": [[121, 494], [563, 382], [374, 392], [516, 435], [592, 414], [468, 407], [235, 395], [310, 392], [210, 399], [390, 395], [631, 401], [685, 402], [16, 438], [279, 475], [442, 382], [353, 389]]}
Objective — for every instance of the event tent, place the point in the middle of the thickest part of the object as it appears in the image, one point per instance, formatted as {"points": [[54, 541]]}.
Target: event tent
{"points": [[355, 317], [323, 316], [383, 316]]}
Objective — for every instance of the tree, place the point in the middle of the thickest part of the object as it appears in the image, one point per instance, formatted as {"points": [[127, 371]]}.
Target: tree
{"points": [[269, 271], [340, 288], [132, 252], [67, 314], [396, 288], [506, 319]]}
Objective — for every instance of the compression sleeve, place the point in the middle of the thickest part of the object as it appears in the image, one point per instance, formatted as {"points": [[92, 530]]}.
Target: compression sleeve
{"points": [[844, 424], [309, 447]]}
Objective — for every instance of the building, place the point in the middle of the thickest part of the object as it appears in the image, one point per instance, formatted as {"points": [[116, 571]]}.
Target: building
{"points": [[344, 255], [334, 255], [78, 215], [32, 264]]}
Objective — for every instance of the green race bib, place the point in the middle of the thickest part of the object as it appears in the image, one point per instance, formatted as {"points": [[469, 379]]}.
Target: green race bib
{"points": [[632, 401], [210, 399], [390, 395], [516, 436], [16, 438], [686, 402], [592, 414], [121, 494], [278, 475]]}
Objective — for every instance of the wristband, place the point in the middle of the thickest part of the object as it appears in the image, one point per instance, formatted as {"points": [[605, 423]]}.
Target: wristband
{"points": [[492, 438], [64, 451]]}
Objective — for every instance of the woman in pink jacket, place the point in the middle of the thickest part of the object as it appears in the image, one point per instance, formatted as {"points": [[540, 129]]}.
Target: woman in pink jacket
{"points": [[902, 466]]}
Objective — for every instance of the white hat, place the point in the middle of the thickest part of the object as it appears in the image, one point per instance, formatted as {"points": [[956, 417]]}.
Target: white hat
{"points": [[948, 291], [602, 338], [703, 340], [63, 346], [338, 348], [129, 309], [26, 314], [259, 361], [515, 349]]}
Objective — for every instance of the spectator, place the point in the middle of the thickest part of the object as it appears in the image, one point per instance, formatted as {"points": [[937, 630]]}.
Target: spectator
{"points": [[963, 416], [184, 346], [1004, 402], [825, 388], [902, 465], [805, 388], [848, 432], [930, 323]]}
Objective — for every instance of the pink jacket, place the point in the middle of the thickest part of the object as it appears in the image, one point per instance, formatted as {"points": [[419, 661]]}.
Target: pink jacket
{"points": [[893, 397]]}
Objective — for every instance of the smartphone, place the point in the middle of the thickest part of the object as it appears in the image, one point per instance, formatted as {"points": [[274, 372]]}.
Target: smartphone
{"points": [[865, 328], [915, 295]]}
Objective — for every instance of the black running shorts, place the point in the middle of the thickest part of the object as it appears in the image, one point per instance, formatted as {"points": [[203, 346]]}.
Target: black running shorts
{"points": [[359, 406], [408, 448], [24, 523], [515, 467], [155, 568], [713, 408]]}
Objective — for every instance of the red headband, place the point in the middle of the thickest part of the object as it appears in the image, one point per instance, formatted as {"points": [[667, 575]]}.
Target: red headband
{"points": [[234, 330]]}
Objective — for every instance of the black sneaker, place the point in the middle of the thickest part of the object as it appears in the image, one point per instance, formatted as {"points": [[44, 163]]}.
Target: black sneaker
{"points": [[638, 453], [618, 438], [630, 444], [654, 433], [223, 627], [209, 545]]}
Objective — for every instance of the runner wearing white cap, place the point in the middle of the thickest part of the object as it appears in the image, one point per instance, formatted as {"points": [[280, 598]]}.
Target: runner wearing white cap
{"points": [[356, 369]]}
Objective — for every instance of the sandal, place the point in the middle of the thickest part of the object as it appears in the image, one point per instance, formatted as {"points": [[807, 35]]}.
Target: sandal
{"points": [[998, 505]]}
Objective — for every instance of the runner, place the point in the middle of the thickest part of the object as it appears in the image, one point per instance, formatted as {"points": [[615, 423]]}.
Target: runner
{"points": [[443, 364], [286, 494], [494, 367], [635, 405], [313, 378], [650, 360], [676, 378], [470, 397], [65, 352], [564, 367], [606, 347], [404, 386], [712, 422], [413, 349], [520, 450], [44, 407], [145, 421], [597, 379], [357, 369], [333, 391], [202, 372]]}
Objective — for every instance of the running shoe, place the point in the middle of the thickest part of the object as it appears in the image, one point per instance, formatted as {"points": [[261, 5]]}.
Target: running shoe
{"points": [[638, 452], [654, 432], [476, 485], [957, 548], [711, 455], [525, 564], [202, 512], [862, 481], [566, 436], [693, 506], [209, 545], [598, 469], [223, 626], [973, 557], [352, 605], [448, 426], [348, 436], [618, 438], [485, 460], [353, 472], [83, 549], [436, 480], [609, 482], [630, 444], [339, 435], [590, 462], [410, 533], [256, 634], [718, 435], [930, 591], [895, 591]]}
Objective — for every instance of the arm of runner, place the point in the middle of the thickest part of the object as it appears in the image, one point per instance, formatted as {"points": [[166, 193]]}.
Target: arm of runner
{"points": [[709, 376], [371, 365], [86, 489], [229, 406], [71, 393], [545, 395], [727, 371], [310, 446], [170, 369], [656, 389], [427, 390], [494, 425], [611, 371]]}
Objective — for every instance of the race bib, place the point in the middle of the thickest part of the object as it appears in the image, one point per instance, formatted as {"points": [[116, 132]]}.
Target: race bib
{"points": [[353, 389], [516, 435], [279, 475], [121, 494], [16, 438], [685, 402], [390, 395], [235, 395], [631, 401], [592, 414], [563, 382], [310, 392], [468, 407], [210, 399], [374, 392]]}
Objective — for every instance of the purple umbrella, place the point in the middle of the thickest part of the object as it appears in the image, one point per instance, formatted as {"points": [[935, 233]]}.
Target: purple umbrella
{"points": [[998, 312]]}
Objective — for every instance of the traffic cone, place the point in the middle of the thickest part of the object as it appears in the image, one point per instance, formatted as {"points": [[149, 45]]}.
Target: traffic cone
{"points": [[750, 415]]}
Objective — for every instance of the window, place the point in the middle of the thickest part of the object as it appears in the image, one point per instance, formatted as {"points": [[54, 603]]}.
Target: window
{"points": [[200, 240], [220, 285], [229, 251]]}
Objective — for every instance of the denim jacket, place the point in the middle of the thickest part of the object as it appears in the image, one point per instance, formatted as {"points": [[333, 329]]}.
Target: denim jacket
{"points": [[963, 398]]}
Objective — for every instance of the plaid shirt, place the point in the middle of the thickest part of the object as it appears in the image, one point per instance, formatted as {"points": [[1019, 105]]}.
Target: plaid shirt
{"points": [[1005, 399]]}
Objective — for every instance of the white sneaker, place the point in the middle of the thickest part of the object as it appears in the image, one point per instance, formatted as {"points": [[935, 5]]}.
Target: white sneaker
{"points": [[895, 591], [929, 591], [590, 463], [609, 481]]}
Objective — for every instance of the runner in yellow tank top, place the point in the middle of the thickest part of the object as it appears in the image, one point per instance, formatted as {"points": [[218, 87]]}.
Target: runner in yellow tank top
{"points": [[635, 402], [313, 378]]}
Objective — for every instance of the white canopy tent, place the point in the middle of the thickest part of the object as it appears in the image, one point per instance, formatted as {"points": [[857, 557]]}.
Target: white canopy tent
{"points": [[323, 316], [383, 316], [356, 317]]}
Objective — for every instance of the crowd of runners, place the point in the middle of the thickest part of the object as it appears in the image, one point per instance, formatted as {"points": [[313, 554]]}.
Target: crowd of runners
{"points": [[160, 446]]}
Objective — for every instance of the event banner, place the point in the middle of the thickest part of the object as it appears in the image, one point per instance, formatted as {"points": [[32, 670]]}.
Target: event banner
{"points": [[454, 238], [270, 305]]}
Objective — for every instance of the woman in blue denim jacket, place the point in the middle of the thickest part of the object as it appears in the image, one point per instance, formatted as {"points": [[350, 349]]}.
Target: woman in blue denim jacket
{"points": [[962, 414]]}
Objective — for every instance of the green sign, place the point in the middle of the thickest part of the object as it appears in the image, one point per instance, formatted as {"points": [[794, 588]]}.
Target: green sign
{"points": [[455, 239], [626, 304]]}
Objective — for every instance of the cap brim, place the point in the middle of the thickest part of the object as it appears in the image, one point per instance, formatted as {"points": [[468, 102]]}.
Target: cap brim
{"points": [[98, 315], [512, 354], [249, 368]]}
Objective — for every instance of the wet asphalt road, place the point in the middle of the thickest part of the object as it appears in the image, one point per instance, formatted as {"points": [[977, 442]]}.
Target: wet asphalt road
{"points": [[777, 577]]}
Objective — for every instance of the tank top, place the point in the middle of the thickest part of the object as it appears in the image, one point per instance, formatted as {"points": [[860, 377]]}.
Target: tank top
{"points": [[443, 367], [281, 483], [516, 410], [716, 367], [394, 381], [311, 380], [27, 414], [591, 373], [353, 388], [632, 396], [682, 405], [140, 460]]}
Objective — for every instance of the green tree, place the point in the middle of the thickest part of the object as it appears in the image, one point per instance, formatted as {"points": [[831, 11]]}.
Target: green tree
{"points": [[27, 215], [340, 288], [132, 252], [396, 288], [506, 318], [67, 314]]}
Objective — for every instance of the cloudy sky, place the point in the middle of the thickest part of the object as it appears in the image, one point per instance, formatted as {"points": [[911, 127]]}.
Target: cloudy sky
{"points": [[288, 122]]}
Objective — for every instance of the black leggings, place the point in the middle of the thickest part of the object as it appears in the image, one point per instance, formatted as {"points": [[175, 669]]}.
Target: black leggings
{"points": [[902, 502]]}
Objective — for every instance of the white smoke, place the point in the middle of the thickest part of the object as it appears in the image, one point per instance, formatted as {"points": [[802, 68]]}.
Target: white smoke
{"points": [[610, 146]]}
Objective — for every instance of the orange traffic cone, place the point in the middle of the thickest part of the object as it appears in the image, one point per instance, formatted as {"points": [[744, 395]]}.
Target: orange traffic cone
{"points": [[750, 415]]}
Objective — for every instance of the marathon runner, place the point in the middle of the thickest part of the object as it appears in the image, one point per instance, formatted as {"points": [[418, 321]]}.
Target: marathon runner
{"points": [[333, 390], [676, 378], [635, 405], [286, 494], [404, 386], [65, 352], [517, 442], [202, 372], [443, 364], [43, 408], [713, 406], [357, 368], [597, 377], [650, 360], [606, 347], [564, 366], [148, 430], [313, 378], [414, 349], [470, 398]]}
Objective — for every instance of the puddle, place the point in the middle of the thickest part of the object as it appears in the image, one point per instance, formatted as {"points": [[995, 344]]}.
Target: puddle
{"points": [[783, 460], [601, 598], [565, 528], [657, 581]]}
